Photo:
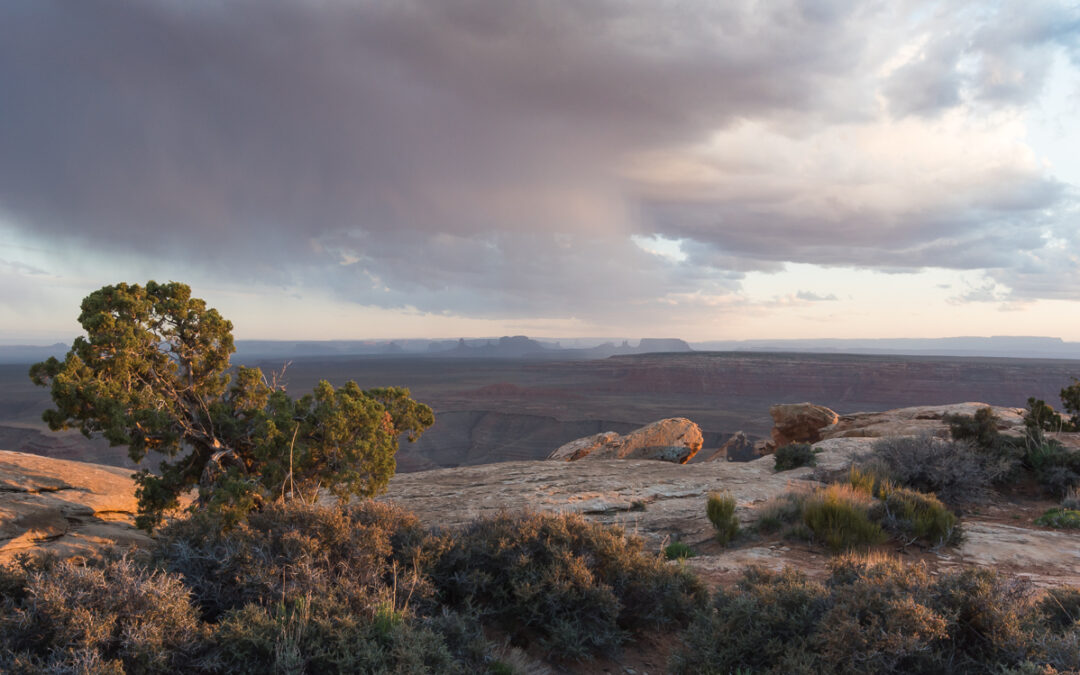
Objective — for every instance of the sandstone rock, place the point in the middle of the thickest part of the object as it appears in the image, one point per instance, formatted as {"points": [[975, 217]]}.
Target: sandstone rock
{"points": [[69, 508], [799, 423], [672, 440], [583, 446], [738, 448], [917, 420]]}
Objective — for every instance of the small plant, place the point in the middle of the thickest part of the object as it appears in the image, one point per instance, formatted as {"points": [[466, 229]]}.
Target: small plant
{"points": [[677, 550], [1060, 519], [780, 512], [794, 455], [1071, 500], [922, 516], [840, 518], [720, 509]]}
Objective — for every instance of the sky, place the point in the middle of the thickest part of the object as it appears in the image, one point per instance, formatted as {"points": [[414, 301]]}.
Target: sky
{"points": [[323, 169]]}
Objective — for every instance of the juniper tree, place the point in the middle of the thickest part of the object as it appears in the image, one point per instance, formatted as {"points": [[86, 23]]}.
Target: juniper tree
{"points": [[153, 373]]}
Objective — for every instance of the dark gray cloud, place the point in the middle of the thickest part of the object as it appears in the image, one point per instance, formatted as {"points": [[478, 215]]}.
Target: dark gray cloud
{"points": [[468, 155]]}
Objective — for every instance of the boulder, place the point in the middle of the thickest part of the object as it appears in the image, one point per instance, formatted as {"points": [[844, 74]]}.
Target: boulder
{"points": [[738, 448], [676, 439], [799, 423]]}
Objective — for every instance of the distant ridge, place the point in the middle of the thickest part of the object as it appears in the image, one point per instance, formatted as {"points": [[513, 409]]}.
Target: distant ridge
{"points": [[1010, 346], [522, 347]]}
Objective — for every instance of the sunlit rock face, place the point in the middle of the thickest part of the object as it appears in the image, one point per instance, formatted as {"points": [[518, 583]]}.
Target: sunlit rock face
{"points": [[799, 423], [671, 440], [67, 508]]}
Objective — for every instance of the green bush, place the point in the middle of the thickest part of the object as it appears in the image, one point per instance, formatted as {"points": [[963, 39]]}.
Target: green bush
{"points": [[794, 455], [1061, 519], [577, 587], [677, 550], [841, 518], [913, 514], [877, 615], [720, 509]]}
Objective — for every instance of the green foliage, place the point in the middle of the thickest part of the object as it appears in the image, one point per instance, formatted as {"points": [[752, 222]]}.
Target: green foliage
{"points": [[677, 550], [1055, 467], [577, 587], [151, 373], [1070, 400], [720, 509], [881, 616], [1061, 519], [841, 518], [919, 516], [794, 455], [1041, 417]]}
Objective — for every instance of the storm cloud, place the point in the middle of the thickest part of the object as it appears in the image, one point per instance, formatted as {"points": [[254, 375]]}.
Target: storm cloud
{"points": [[496, 157]]}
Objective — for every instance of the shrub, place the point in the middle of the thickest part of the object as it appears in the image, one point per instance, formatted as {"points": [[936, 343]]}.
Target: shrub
{"points": [[720, 509], [1061, 519], [954, 471], [920, 516], [1071, 500], [878, 615], [578, 587], [117, 617], [363, 554], [1060, 608], [840, 518], [794, 455], [677, 550], [780, 511], [1055, 467], [765, 624], [1041, 417]]}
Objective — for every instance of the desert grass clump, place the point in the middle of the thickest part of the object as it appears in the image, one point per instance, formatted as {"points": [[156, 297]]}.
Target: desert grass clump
{"points": [[720, 509], [876, 614], [911, 513], [843, 518], [577, 588], [794, 455], [780, 512]]}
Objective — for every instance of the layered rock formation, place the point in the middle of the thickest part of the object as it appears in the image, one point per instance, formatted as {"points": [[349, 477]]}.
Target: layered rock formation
{"points": [[672, 440], [69, 508], [917, 420]]}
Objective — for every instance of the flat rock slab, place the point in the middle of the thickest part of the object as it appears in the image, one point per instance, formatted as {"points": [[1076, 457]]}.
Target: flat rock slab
{"points": [[69, 508], [658, 500]]}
